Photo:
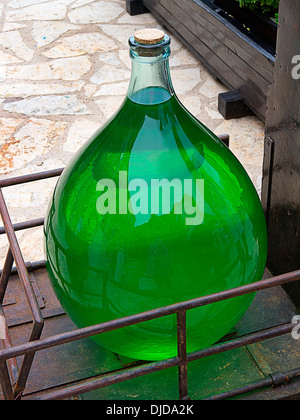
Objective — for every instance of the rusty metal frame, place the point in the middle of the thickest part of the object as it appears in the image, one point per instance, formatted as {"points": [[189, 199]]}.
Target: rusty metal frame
{"points": [[13, 380], [19, 377]]}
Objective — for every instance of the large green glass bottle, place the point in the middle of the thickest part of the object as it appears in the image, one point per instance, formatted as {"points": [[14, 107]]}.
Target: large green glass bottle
{"points": [[154, 210]]}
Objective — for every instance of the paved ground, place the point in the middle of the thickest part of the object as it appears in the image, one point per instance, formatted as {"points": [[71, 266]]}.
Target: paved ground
{"points": [[64, 69]]}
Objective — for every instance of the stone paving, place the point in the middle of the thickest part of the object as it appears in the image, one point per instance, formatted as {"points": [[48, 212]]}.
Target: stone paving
{"points": [[64, 69]]}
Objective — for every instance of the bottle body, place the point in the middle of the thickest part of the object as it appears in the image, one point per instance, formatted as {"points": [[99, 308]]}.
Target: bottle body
{"points": [[130, 256]]}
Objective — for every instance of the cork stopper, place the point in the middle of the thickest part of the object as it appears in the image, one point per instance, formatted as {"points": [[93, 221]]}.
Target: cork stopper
{"points": [[149, 36]]}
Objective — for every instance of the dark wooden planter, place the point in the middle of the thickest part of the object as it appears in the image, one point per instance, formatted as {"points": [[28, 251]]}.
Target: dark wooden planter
{"points": [[257, 27], [242, 60]]}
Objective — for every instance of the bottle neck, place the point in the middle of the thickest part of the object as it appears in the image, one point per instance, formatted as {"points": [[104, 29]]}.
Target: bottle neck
{"points": [[150, 82]]}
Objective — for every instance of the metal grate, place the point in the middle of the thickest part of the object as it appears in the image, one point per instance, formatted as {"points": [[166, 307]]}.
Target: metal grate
{"points": [[13, 380]]}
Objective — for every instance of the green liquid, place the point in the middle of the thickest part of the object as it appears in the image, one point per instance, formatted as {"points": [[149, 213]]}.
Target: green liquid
{"points": [[104, 267]]}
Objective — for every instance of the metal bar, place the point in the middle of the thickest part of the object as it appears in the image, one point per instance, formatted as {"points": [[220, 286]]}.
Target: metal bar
{"points": [[18, 257], [25, 225], [256, 386], [267, 176], [146, 316], [86, 385], [134, 319], [264, 383], [5, 382], [5, 274], [38, 321], [242, 341], [182, 355], [12, 365], [102, 381], [30, 266], [24, 179], [67, 337], [26, 364]]}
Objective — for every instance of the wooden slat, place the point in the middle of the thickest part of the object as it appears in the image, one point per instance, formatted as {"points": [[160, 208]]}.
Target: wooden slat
{"points": [[283, 126]]}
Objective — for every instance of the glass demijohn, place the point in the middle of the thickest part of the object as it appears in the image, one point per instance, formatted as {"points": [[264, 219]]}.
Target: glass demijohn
{"points": [[153, 210]]}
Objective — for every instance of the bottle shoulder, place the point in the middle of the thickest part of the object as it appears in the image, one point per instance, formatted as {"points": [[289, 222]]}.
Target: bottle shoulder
{"points": [[155, 142]]}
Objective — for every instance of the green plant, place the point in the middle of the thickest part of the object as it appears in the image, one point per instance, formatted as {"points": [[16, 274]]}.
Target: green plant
{"points": [[267, 7]]}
